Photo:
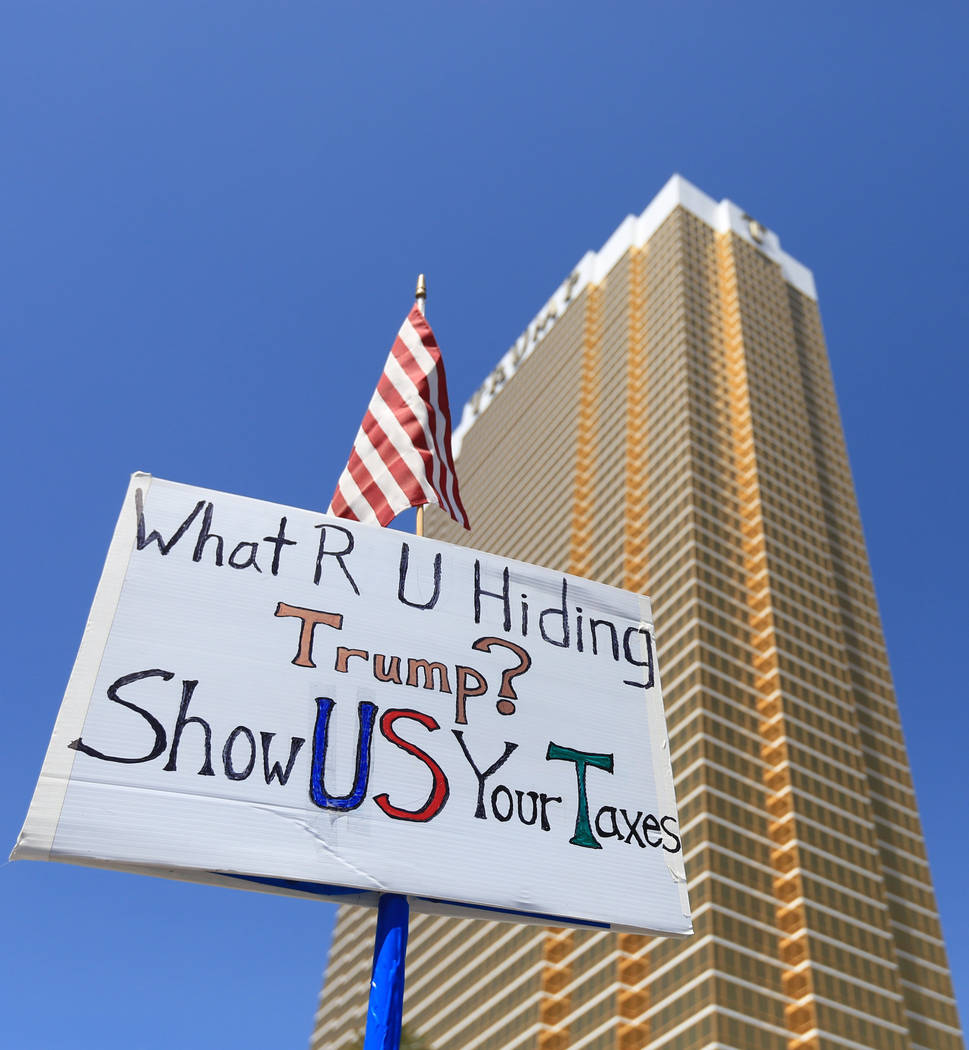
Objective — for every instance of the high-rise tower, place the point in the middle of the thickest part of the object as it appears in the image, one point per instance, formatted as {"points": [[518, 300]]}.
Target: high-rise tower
{"points": [[668, 424]]}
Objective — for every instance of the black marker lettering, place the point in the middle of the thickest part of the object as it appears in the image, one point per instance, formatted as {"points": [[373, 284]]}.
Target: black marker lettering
{"points": [[482, 777]]}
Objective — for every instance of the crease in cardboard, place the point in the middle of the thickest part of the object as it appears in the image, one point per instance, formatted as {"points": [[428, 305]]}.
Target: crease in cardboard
{"points": [[307, 827]]}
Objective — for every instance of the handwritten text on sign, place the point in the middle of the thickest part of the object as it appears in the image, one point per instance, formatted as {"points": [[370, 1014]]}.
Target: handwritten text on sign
{"points": [[270, 693]]}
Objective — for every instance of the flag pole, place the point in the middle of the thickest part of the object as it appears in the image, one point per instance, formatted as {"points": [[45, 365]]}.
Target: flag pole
{"points": [[421, 296], [385, 1009]]}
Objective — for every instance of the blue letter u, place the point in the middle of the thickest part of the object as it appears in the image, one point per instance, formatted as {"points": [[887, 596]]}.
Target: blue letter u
{"points": [[366, 713]]}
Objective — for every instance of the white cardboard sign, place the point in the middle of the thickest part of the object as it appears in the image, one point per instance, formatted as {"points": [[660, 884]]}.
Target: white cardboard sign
{"points": [[270, 698]]}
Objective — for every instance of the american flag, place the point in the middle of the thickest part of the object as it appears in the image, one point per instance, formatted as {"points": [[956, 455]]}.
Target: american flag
{"points": [[402, 453]]}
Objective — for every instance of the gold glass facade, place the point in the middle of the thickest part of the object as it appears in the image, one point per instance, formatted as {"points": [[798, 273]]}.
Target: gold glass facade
{"points": [[675, 432]]}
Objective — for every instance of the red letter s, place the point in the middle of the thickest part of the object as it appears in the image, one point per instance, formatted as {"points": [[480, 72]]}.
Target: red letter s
{"points": [[440, 789]]}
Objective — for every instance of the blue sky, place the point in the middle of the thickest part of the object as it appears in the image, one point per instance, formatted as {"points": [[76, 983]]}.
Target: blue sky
{"points": [[211, 219]]}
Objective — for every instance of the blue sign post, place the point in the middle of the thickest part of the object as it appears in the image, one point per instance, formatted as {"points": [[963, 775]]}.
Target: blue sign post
{"points": [[386, 1007]]}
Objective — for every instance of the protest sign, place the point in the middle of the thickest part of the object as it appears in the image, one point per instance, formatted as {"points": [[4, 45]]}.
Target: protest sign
{"points": [[271, 698]]}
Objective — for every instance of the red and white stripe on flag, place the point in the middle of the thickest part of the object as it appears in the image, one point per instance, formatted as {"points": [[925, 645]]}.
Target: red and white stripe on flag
{"points": [[402, 454]]}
